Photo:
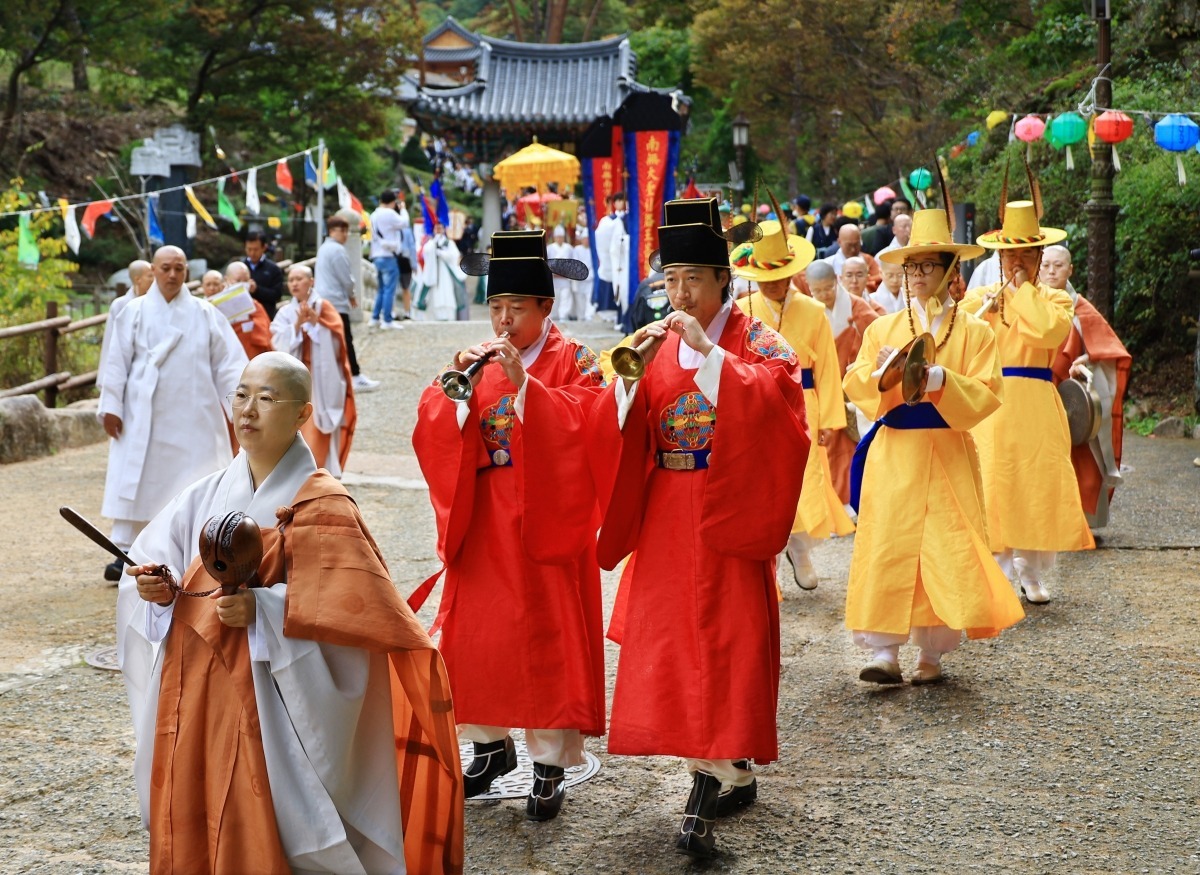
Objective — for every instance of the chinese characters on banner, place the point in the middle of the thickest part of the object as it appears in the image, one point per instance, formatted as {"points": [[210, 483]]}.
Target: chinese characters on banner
{"points": [[652, 149]]}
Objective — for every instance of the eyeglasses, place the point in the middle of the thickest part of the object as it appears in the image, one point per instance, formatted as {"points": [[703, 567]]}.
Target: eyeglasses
{"points": [[924, 268], [237, 400]]}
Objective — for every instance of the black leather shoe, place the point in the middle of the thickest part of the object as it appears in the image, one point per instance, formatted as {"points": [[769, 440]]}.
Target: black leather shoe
{"points": [[492, 759], [729, 800], [696, 838], [112, 571], [546, 797]]}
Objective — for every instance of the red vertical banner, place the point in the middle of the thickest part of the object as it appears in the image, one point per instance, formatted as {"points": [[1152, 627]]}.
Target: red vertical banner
{"points": [[652, 149], [607, 175]]}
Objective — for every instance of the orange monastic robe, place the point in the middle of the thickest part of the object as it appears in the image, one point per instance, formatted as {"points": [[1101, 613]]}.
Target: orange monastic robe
{"points": [[1100, 343], [848, 343], [254, 333], [210, 799]]}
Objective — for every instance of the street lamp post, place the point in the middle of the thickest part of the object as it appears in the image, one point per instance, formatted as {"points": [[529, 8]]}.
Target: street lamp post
{"points": [[741, 139], [835, 116], [1101, 208]]}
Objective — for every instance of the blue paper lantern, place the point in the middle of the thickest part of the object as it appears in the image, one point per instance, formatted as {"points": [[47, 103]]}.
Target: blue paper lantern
{"points": [[973, 138], [1176, 133], [920, 179]]}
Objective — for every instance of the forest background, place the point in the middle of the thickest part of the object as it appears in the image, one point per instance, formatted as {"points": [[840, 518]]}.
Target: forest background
{"points": [[857, 91]]}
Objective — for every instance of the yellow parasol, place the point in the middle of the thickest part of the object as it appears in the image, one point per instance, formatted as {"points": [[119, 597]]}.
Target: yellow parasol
{"points": [[537, 165]]}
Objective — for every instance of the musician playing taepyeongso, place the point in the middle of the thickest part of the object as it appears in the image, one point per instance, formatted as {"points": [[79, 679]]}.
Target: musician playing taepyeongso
{"points": [[516, 516], [679, 464], [301, 725]]}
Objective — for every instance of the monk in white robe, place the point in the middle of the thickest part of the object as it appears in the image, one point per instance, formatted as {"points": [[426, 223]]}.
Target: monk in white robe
{"points": [[310, 329], [173, 360]]}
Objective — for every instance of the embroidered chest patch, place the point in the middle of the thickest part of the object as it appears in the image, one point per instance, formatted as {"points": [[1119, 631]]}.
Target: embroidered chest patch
{"points": [[496, 422], [588, 364], [768, 344], [689, 422]]}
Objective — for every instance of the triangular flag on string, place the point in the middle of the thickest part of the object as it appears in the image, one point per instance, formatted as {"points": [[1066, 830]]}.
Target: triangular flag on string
{"points": [[331, 176], [283, 176], [70, 226], [346, 198], [190, 222], [91, 213], [310, 171], [908, 192], [225, 208], [153, 230], [253, 207], [27, 248], [199, 207]]}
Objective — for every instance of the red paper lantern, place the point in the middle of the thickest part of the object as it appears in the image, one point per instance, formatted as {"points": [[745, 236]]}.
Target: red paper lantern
{"points": [[1113, 126], [957, 149], [1030, 128]]}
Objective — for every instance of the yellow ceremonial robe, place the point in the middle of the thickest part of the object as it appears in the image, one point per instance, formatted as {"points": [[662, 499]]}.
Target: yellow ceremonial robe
{"points": [[921, 556], [801, 320], [1029, 484]]}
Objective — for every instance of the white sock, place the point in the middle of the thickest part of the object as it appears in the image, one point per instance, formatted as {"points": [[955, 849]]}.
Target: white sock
{"points": [[889, 653]]}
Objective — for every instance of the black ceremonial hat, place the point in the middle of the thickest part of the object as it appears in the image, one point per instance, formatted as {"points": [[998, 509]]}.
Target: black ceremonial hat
{"points": [[518, 265], [691, 234]]}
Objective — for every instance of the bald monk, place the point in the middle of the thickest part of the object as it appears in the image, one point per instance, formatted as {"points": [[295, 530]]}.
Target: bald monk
{"points": [[309, 328], [1092, 347], [140, 279], [849, 316], [254, 331], [303, 724], [173, 360]]}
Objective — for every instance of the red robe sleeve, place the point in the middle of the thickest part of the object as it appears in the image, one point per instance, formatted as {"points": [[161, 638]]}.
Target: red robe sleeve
{"points": [[448, 463], [621, 462]]}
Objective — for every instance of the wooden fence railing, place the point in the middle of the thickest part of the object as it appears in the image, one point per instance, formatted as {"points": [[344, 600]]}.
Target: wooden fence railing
{"points": [[52, 328]]}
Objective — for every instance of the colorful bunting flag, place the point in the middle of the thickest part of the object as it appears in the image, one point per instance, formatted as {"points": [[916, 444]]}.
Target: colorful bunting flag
{"points": [[331, 177], [225, 208], [283, 176], [253, 207], [199, 207], [153, 229], [27, 248], [70, 227], [310, 171], [346, 198], [91, 213], [190, 225]]}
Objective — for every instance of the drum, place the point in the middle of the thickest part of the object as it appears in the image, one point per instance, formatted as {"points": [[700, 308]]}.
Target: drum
{"points": [[1082, 404]]}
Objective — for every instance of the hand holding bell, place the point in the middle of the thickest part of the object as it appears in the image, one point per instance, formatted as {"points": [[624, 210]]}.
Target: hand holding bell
{"points": [[629, 362]]}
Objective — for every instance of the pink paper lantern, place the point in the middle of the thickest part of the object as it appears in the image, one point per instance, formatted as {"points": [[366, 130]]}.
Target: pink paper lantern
{"points": [[887, 193], [1030, 128]]}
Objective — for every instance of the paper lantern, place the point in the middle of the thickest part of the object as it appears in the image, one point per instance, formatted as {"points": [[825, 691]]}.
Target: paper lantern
{"points": [[920, 179], [1177, 133], [886, 193], [995, 118], [1028, 129], [852, 209], [957, 149], [973, 138], [1113, 127], [1064, 131]]}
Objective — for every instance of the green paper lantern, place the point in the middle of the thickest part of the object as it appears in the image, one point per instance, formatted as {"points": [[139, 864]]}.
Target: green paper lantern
{"points": [[1066, 130], [920, 179]]}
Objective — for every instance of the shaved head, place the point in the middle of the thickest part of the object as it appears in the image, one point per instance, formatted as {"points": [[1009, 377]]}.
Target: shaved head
{"points": [[819, 271], [237, 272], [284, 373], [212, 283], [170, 270], [1057, 251], [141, 276], [1056, 269], [303, 269], [137, 269], [166, 252]]}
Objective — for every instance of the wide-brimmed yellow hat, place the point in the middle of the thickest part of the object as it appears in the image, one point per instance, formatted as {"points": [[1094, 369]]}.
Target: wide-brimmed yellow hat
{"points": [[931, 233], [1021, 229], [778, 255]]}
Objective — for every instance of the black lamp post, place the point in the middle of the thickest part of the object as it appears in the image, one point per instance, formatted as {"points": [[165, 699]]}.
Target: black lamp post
{"points": [[741, 139], [1101, 208]]}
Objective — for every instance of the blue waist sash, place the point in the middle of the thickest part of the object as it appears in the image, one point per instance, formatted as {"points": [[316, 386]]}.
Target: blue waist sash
{"points": [[682, 460], [923, 415], [1030, 373], [806, 378]]}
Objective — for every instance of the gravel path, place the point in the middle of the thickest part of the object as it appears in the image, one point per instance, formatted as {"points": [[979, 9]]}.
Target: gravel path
{"points": [[1067, 745]]}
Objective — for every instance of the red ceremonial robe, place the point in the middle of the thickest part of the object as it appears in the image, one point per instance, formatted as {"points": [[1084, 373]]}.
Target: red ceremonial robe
{"points": [[521, 614], [698, 617], [210, 799], [1101, 343]]}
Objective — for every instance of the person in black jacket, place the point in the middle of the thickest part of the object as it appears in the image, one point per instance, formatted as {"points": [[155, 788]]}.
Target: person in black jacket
{"points": [[268, 278]]}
